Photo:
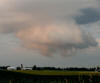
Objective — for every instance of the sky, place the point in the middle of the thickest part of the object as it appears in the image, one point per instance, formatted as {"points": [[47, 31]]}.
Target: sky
{"points": [[59, 33]]}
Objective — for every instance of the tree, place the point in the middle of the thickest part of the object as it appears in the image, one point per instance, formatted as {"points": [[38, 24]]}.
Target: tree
{"points": [[34, 67]]}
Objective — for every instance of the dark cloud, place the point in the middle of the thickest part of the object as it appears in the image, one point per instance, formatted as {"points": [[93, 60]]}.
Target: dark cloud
{"points": [[89, 15]]}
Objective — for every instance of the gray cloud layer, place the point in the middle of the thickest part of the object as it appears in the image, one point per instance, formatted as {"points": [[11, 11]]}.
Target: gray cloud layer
{"points": [[48, 26]]}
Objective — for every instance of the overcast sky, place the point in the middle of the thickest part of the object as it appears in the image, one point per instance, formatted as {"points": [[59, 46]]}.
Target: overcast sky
{"points": [[50, 32]]}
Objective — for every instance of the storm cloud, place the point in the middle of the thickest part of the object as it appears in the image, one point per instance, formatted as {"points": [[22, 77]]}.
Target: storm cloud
{"points": [[89, 15], [48, 26]]}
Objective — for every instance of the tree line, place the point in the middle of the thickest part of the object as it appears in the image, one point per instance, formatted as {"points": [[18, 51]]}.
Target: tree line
{"points": [[57, 68]]}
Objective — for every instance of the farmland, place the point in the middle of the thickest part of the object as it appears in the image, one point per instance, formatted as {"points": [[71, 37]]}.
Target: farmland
{"points": [[47, 76]]}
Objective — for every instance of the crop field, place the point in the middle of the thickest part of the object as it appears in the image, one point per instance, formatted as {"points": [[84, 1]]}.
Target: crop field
{"points": [[46, 76]]}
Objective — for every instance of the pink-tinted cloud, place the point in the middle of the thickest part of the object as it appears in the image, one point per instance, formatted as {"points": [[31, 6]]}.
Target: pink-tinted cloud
{"points": [[63, 38]]}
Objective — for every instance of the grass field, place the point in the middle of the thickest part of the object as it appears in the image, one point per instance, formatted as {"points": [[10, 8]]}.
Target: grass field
{"points": [[47, 76], [48, 72]]}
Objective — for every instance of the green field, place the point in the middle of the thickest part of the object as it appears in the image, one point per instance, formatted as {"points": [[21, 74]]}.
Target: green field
{"points": [[47, 76], [62, 73]]}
